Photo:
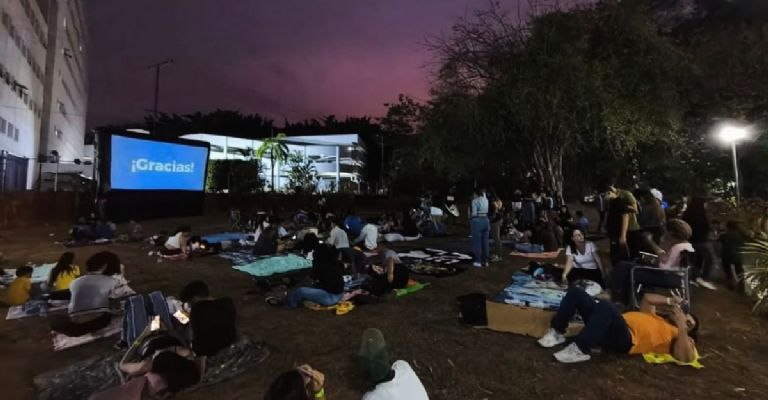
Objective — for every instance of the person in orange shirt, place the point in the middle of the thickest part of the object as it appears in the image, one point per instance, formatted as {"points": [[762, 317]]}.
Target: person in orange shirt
{"points": [[635, 332], [18, 291]]}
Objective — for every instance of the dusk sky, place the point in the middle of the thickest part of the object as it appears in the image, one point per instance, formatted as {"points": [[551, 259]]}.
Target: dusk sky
{"points": [[279, 58]]}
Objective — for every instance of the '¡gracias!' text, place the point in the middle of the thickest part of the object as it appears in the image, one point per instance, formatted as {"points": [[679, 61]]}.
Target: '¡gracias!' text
{"points": [[142, 165]]}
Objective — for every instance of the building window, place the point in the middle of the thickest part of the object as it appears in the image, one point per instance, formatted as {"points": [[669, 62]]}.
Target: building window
{"points": [[16, 135], [2, 125], [59, 134], [10, 129]]}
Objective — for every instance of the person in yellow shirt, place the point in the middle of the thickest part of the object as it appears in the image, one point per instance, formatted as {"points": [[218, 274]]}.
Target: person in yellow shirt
{"points": [[635, 332], [18, 291], [63, 273]]}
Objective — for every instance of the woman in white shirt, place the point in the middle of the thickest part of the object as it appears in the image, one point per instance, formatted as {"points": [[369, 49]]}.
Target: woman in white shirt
{"points": [[583, 260], [177, 244]]}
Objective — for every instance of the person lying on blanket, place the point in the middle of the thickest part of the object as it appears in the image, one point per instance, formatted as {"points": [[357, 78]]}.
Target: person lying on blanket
{"points": [[328, 273], [90, 293], [391, 275], [169, 373], [301, 383], [634, 332]]}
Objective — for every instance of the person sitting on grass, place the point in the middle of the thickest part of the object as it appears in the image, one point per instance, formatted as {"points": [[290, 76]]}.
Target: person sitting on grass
{"points": [[212, 323], [301, 383], [541, 239], [394, 381], [169, 373], [634, 332], [369, 235], [62, 276], [328, 274], [89, 303], [582, 260], [18, 292], [391, 275], [266, 244]]}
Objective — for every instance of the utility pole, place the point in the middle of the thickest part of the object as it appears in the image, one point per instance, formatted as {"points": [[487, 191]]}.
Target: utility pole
{"points": [[157, 67]]}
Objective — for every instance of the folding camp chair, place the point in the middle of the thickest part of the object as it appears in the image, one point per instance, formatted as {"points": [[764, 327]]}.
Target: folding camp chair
{"points": [[665, 280]]}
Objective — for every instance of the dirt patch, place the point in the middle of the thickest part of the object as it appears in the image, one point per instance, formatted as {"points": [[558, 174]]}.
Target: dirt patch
{"points": [[453, 361]]}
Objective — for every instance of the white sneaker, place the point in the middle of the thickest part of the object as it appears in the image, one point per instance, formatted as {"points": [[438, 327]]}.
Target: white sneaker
{"points": [[477, 264], [486, 264], [571, 354], [706, 285], [551, 339]]}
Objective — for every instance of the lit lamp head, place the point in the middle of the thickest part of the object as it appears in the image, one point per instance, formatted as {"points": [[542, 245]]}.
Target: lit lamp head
{"points": [[732, 134]]}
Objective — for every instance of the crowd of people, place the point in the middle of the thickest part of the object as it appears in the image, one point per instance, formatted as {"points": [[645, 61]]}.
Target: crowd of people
{"points": [[641, 228]]}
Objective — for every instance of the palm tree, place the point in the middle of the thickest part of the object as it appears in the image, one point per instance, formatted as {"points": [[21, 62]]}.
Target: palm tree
{"points": [[277, 150]]}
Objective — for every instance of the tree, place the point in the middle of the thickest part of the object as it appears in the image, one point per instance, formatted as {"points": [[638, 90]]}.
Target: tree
{"points": [[544, 93], [234, 176], [277, 151], [302, 174]]}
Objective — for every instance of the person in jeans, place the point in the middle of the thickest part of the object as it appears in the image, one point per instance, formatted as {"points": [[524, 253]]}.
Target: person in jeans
{"points": [[480, 228], [634, 332], [701, 231], [328, 273], [496, 218]]}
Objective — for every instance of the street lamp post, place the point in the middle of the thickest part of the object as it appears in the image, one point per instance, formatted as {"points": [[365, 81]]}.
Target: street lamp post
{"points": [[731, 134]]}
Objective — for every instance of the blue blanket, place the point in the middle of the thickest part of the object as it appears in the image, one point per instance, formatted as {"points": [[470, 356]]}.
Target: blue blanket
{"points": [[225, 236], [528, 292], [266, 266]]}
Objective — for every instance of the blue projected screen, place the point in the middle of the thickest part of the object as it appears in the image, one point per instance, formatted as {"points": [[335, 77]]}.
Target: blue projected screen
{"points": [[139, 164]]}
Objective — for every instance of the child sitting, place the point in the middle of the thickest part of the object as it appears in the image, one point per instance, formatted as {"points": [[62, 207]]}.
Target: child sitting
{"points": [[18, 291]]}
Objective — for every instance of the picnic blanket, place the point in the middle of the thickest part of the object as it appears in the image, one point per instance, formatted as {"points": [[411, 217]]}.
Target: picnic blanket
{"points": [[267, 266], [529, 292], [432, 269], [63, 342], [84, 243], [435, 256], [225, 237], [538, 256], [413, 287], [241, 256], [36, 308], [80, 380], [40, 273]]}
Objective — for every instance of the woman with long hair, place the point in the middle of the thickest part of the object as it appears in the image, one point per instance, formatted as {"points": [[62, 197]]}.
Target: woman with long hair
{"points": [[701, 231], [63, 273]]}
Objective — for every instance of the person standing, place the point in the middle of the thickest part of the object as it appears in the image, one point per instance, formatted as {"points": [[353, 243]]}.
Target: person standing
{"points": [[602, 210], [480, 228], [496, 217], [621, 223], [701, 231]]}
